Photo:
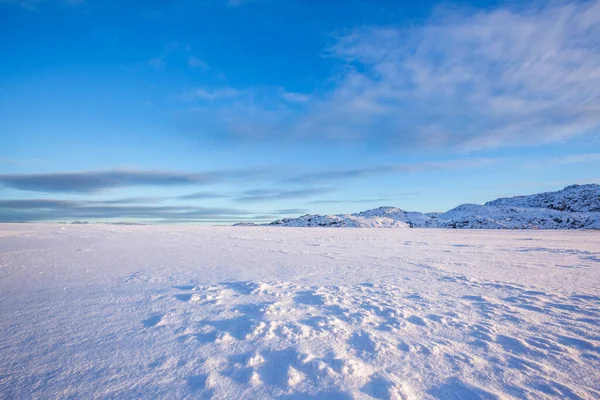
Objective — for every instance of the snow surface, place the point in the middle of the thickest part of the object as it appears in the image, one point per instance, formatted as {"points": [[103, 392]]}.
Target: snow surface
{"points": [[574, 207], [92, 311]]}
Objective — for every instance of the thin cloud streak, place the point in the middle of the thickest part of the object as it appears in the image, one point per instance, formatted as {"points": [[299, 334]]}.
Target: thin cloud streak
{"points": [[260, 195], [14, 161], [541, 183], [372, 200], [94, 182], [342, 174], [292, 211], [202, 195], [31, 210], [130, 200], [578, 158], [49, 209]]}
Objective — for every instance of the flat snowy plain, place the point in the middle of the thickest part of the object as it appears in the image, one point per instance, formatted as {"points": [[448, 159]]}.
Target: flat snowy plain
{"points": [[181, 312]]}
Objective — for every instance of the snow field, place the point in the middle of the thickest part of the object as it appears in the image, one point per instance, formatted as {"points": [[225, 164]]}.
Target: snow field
{"points": [[184, 312]]}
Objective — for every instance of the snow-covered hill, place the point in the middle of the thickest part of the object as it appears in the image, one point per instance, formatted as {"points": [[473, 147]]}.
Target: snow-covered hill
{"points": [[574, 207], [383, 217], [473, 216], [575, 198]]}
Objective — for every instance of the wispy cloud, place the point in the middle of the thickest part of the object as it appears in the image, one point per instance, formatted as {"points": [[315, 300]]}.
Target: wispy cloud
{"points": [[175, 52], [195, 62], [288, 211], [543, 162], [293, 97], [217, 94], [202, 195], [14, 161], [26, 4], [369, 200], [249, 113], [465, 80], [129, 200], [341, 174], [96, 181], [262, 195], [462, 80], [31, 210], [259, 195], [578, 158], [34, 5], [540, 183], [52, 210]]}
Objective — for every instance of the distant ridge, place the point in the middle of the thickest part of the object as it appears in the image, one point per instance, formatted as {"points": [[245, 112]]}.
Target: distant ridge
{"points": [[574, 207]]}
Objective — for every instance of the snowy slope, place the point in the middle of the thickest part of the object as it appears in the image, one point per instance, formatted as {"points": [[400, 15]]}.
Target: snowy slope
{"points": [[576, 198], [575, 207], [147, 312], [473, 216], [384, 217]]}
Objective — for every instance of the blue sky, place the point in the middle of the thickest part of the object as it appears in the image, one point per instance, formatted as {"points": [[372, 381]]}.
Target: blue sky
{"points": [[218, 111]]}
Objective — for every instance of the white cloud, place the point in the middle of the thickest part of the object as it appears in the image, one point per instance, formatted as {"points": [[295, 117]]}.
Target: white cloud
{"points": [[488, 79], [292, 97], [216, 94], [466, 80], [195, 62]]}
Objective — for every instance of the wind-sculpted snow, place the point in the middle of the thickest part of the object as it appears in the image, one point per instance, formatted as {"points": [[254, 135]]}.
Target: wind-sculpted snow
{"points": [[575, 207], [279, 339], [188, 312]]}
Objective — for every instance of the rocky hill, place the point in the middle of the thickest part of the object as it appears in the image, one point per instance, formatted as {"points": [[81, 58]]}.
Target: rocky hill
{"points": [[574, 207], [574, 198]]}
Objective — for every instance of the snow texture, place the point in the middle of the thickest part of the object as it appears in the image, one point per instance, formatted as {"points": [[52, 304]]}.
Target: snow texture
{"points": [[92, 311], [574, 207]]}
